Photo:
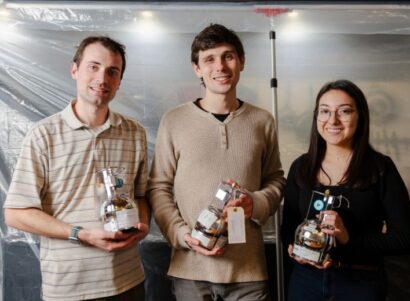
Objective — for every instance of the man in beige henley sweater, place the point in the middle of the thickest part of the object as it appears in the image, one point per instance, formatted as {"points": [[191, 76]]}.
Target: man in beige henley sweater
{"points": [[200, 144]]}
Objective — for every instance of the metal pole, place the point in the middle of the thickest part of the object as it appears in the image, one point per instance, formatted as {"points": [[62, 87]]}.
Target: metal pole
{"points": [[279, 255]]}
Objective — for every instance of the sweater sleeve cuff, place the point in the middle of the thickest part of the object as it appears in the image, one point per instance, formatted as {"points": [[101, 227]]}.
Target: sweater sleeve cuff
{"points": [[262, 207], [181, 233]]}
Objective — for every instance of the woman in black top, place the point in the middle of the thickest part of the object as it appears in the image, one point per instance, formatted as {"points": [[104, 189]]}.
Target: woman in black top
{"points": [[372, 221]]}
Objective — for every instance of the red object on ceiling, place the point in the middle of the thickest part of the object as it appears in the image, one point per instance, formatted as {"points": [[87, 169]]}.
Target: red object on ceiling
{"points": [[272, 12]]}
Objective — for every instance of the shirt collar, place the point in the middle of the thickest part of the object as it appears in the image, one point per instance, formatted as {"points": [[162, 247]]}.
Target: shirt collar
{"points": [[73, 122]]}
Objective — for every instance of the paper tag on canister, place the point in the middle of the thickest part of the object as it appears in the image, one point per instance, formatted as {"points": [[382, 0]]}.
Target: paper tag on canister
{"points": [[236, 225]]}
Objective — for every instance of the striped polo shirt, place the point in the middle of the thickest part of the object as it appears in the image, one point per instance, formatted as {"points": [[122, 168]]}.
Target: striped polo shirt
{"points": [[56, 173]]}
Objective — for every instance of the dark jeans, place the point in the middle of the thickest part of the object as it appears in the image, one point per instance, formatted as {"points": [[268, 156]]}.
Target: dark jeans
{"points": [[311, 284], [136, 293]]}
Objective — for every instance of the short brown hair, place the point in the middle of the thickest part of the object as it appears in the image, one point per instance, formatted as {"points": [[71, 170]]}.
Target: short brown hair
{"points": [[211, 37], [105, 41]]}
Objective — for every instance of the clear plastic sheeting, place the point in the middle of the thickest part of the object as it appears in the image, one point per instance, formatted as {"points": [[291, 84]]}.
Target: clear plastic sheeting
{"points": [[314, 44], [174, 17]]}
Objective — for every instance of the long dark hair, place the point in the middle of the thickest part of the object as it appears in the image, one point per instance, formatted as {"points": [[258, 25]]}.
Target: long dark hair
{"points": [[360, 172]]}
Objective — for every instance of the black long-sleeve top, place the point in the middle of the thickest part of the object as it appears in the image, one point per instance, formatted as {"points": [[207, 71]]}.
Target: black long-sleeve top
{"points": [[384, 201]]}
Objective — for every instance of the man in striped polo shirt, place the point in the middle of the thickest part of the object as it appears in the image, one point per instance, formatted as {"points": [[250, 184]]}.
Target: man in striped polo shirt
{"points": [[52, 191]]}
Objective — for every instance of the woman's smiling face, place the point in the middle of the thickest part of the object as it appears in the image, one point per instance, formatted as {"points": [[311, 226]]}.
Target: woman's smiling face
{"points": [[337, 118]]}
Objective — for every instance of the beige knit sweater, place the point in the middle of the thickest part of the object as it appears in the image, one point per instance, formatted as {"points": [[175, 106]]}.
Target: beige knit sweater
{"points": [[194, 152]]}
